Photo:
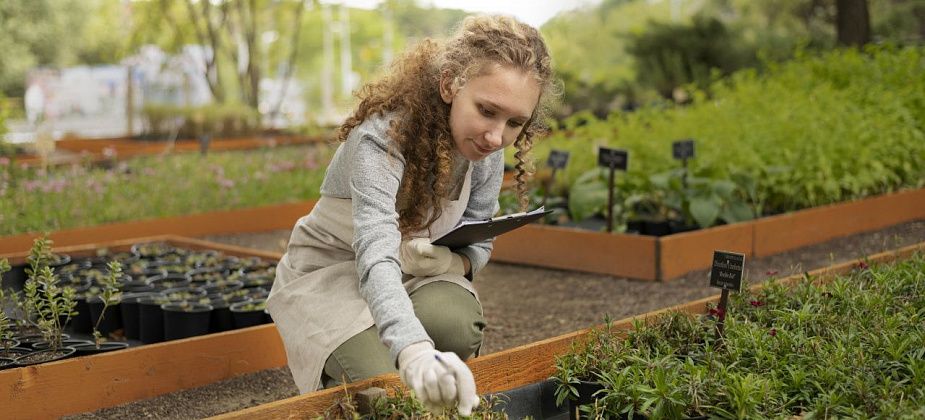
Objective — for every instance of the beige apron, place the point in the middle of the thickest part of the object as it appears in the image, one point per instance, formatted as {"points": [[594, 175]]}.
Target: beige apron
{"points": [[315, 300]]}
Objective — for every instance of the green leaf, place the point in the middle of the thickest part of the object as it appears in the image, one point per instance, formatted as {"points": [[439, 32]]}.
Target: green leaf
{"points": [[705, 210], [737, 212], [587, 199]]}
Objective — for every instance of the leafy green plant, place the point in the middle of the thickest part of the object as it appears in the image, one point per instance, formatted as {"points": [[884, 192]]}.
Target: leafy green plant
{"points": [[6, 331], [52, 305], [851, 347], [109, 294], [703, 200], [812, 131], [403, 405], [34, 200]]}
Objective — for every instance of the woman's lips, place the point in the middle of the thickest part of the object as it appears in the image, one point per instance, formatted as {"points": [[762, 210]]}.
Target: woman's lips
{"points": [[482, 150]]}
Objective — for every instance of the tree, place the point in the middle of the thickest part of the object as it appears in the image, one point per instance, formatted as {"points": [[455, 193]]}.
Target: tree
{"points": [[852, 22], [236, 33]]}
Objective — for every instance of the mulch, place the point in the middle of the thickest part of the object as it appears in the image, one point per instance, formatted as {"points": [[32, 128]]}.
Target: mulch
{"points": [[521, 305]]}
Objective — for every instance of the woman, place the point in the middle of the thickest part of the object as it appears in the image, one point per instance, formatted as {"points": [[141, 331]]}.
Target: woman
{"points": [[360, 289]]}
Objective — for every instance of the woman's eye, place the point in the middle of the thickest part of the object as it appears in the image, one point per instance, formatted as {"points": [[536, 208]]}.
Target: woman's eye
{"points": [[515, 124], [485, 111]]}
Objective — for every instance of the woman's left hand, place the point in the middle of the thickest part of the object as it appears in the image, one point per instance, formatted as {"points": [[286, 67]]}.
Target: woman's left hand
{"points": [[422, 259]]}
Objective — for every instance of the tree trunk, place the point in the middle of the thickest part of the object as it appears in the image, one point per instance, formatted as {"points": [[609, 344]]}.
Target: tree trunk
{"points": [[852, 22]]}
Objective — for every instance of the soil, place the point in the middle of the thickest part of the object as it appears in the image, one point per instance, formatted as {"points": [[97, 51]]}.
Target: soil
{"points": [[522, 305]]}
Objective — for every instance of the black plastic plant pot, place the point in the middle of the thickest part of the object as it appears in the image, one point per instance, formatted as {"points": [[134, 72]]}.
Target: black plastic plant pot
{"points": [[90, 347], [129, 308], [14, 352], [10, 342], [112, 319], [151, 319], [586, 396], [81, 322], [152, 250], [71, 342], [659, 228], [168, 281], [222, 319], [248, 314], [43, 356], [28, 341], [224, 287], [184, 293], [6, 363], [208, 275], [678, 226], [184, 319]]}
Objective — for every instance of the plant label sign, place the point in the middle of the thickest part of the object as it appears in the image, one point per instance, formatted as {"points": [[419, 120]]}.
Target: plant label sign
{"points": [[727, 270], [683, 149], [612, 158], [557, 159]]}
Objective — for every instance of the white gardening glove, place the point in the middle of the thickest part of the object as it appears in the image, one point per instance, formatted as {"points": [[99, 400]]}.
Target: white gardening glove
{"points": [[439, 379], [420, 258]]}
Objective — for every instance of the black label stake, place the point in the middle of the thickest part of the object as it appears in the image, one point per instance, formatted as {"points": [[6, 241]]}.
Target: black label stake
{"points": [[726, 273], [683, 150], [612, 159], [557, 160]]}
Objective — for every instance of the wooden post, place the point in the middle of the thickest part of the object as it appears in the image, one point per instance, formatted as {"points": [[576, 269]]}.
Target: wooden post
{"points": [[129, 103]]}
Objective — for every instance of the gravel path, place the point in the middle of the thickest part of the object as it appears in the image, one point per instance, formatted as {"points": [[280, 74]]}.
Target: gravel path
{"points": [[522, 305]]}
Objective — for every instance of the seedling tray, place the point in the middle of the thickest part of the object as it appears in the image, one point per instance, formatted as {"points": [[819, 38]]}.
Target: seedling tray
{"points": [[89, 383]]}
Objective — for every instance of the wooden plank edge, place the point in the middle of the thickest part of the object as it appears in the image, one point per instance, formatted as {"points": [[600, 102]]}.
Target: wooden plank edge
{"points": [[85, 250], [264, 218]]}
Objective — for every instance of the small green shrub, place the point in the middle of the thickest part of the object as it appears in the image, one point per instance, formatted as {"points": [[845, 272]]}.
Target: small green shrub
{"points": [[854, 348], [817, 130]]}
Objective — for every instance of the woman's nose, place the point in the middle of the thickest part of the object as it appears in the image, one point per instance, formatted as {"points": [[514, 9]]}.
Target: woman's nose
{"points": [[495, 136]]}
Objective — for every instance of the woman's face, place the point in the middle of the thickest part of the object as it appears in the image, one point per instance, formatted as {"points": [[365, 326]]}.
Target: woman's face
{"points": [[489, 111]]}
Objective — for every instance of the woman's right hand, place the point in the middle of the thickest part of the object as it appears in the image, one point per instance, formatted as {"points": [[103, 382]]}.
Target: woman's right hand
{"points": [[439, 379]]}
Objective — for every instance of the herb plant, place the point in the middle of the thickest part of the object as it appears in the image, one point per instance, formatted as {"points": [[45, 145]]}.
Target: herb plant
{"points": [[403, 405], [109, 294], [52, 305], [6, 325], [852, 348]]}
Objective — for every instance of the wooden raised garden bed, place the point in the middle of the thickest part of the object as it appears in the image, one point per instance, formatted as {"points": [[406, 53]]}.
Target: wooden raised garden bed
{"points": [[525, 365], [667, 257], [634, 256], [126, 148], [256, 219], [89, 383]]}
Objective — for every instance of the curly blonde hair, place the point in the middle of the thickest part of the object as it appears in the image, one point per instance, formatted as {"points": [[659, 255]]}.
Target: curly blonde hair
{"points": [[421, 129]]}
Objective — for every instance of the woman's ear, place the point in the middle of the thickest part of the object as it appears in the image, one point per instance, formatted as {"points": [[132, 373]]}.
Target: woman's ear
{"points": [[447, 91]]}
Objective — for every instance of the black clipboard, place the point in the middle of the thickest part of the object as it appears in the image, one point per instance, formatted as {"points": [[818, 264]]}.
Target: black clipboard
{"points": [[470, 232]]}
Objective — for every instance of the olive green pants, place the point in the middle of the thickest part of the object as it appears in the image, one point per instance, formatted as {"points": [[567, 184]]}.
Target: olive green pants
{"points": [[451, 316]]}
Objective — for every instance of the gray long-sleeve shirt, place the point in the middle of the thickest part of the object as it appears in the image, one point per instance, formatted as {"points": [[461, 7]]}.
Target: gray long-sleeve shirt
{"points": [[367, 168]]}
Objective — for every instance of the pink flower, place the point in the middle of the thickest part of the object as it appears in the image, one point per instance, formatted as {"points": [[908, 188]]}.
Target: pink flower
{"points": [[773, 332], [30, 185], [861, 265], [717, 312], [226, 183], [4, 161], [110, 152], [310, 163], [757, 303]]}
